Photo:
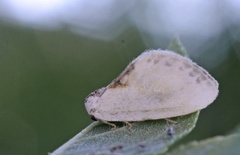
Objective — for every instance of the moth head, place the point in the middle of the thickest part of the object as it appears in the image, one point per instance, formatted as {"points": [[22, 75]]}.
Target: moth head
{"points": [[91, 100]]}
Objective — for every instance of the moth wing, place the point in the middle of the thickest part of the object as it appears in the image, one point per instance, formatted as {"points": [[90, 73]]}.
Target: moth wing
{"points": [[157, 84]]}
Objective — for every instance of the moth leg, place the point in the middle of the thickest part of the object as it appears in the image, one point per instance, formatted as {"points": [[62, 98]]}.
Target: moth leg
{"points": [[171, 121], [111, 124], [129, 125]]}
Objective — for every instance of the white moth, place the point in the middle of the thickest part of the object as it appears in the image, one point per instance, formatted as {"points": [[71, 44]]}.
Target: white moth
{"points": [[157, 84]]}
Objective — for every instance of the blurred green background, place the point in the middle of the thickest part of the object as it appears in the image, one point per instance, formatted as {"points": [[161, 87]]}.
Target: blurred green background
{"points": [[46, 75]]}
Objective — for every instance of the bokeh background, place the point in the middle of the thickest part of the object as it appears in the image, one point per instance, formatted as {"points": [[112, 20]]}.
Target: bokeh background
{"points": [[53, 53]]}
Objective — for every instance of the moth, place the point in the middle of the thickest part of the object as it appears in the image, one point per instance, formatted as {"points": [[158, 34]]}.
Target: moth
{"points": [[158, 84]]}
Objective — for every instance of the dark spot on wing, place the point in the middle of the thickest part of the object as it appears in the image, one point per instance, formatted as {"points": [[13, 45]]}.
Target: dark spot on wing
{"points": [[175, 59], [167, 64], [187, 65], [119, 82], [129, 69], [209, 83], [145, 111], [149, 60], [116, 83], [198, 80], [156, 61], [180, 68], [97, 93], [113, 113], [203, 77], [191, 74], [196, 70], [93, 110]]}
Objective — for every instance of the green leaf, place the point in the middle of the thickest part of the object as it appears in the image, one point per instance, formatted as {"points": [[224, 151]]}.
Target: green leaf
{"points": [[177, 46], [236, 129], [148, 137], [220, 145]]}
